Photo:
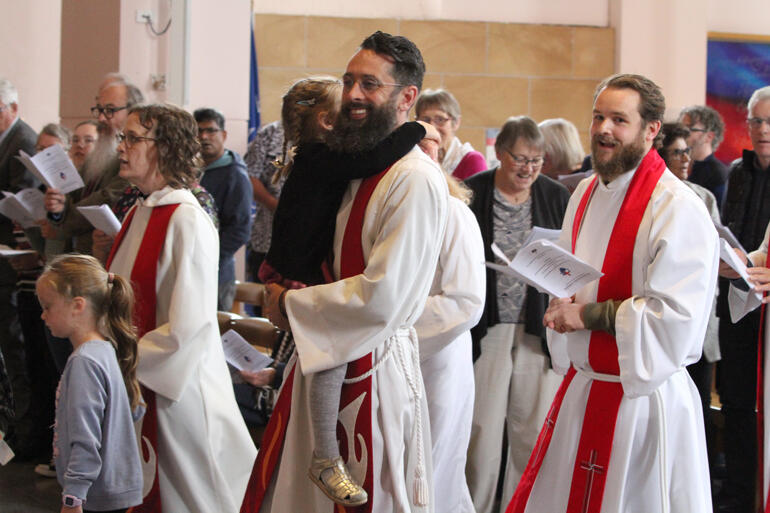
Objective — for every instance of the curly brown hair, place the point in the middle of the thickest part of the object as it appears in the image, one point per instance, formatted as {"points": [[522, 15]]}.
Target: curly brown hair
{"points": [[176, 137]]}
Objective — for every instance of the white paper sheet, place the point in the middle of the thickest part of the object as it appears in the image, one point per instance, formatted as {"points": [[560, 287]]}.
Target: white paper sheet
{"points": [[725, 233], [7, 252], [54, 168], [539, 233], [6, 454], [25, 207], [547, 267], [102, 218], [242, 355], [728, 256]]}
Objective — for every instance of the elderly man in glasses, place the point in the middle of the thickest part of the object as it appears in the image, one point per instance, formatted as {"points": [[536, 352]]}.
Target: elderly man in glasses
{"points": [[746, 211], [100, 171]]}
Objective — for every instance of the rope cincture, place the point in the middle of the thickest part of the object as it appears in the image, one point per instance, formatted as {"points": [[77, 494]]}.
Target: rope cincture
{"points": [[375, 367], [421, 489]]}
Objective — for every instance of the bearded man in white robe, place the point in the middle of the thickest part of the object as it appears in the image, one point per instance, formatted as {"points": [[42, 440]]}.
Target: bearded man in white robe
{"points": [[366, 318], [625, 431]]}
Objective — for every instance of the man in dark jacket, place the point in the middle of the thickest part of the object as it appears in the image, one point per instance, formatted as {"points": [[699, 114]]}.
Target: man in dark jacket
{"points": [[706, 133], [15, 135], [746, 212], [225, 178]]}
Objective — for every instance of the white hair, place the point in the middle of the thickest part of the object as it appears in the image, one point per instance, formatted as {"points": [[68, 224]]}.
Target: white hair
{"points": [[8, 93], [763, 93]]}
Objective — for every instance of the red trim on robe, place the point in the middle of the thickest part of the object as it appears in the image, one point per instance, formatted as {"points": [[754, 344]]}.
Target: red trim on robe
{"points": [[595, 446], [144, 282], [352, 263]]}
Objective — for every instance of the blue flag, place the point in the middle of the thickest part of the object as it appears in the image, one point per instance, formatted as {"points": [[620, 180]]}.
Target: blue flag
{"points": [[253, 90]]}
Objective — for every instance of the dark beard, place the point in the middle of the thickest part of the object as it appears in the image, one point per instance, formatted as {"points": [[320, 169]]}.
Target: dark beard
{"points": [[353, 136], [627, 159]]}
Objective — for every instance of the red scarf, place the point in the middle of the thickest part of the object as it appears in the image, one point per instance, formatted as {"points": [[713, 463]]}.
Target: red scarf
{"points": [[595, 446], [352, 263], [143, 281]]}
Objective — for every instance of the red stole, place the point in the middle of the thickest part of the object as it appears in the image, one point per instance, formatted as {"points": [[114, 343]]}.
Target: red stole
{"points": [[352, 263], [595, 446], [143, 281]]}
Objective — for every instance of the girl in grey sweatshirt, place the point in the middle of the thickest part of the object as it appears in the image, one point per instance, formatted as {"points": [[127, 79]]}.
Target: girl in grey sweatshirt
{"points": [[95, 449]]}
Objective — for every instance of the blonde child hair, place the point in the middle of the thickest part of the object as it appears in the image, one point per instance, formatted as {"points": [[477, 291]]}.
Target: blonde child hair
{"points": [[303, 103], [111, 300]]}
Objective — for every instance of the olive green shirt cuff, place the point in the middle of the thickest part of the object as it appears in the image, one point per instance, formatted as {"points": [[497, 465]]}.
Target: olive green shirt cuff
{"points": [[601, 316]]}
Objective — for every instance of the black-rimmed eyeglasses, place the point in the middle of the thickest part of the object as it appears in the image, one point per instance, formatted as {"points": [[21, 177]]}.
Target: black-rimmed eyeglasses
{"points": [[108, 111]]}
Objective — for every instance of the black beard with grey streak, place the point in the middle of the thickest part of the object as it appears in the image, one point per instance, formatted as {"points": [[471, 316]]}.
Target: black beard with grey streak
{"points": [[353, 136], [627, 159]]}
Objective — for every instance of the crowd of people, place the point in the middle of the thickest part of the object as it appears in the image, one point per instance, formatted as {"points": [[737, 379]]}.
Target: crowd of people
{"points": [[411, 377]]}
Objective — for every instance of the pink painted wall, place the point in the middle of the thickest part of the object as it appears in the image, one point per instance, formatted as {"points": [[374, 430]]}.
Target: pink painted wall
{"points": [[100, 36], [559, 12], [219, 63], [30, 57], [653, 40], [742, 16], [141, 52]]}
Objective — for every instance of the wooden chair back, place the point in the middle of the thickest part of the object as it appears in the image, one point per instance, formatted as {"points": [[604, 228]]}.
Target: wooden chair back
{"points": [[249, 293]]}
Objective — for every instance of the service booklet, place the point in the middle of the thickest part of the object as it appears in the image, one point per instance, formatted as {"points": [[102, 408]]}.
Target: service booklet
{"points": [[242, 355], [25, 207], [54, 168], [725, 234], [539, 233], [102, 218], [728, 256], [547, 267]]}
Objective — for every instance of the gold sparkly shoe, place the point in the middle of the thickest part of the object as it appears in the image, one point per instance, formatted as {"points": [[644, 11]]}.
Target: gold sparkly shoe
{"points": [[333, 478]]}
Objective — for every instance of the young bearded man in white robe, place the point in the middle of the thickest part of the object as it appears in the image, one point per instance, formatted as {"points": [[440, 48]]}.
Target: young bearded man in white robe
{"points": [[650, 454], [369, 314]]}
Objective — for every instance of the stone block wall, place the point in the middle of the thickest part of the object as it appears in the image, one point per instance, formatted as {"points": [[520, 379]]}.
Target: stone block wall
{"points": [[495, 70]]}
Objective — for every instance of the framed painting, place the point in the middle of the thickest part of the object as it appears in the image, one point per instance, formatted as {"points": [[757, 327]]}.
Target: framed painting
{"points": [[738, 64]]}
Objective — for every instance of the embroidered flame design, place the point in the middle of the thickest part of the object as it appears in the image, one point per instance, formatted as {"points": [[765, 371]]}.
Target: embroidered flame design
{"points": [[348, 417], [149, 465], [269, 450]]}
